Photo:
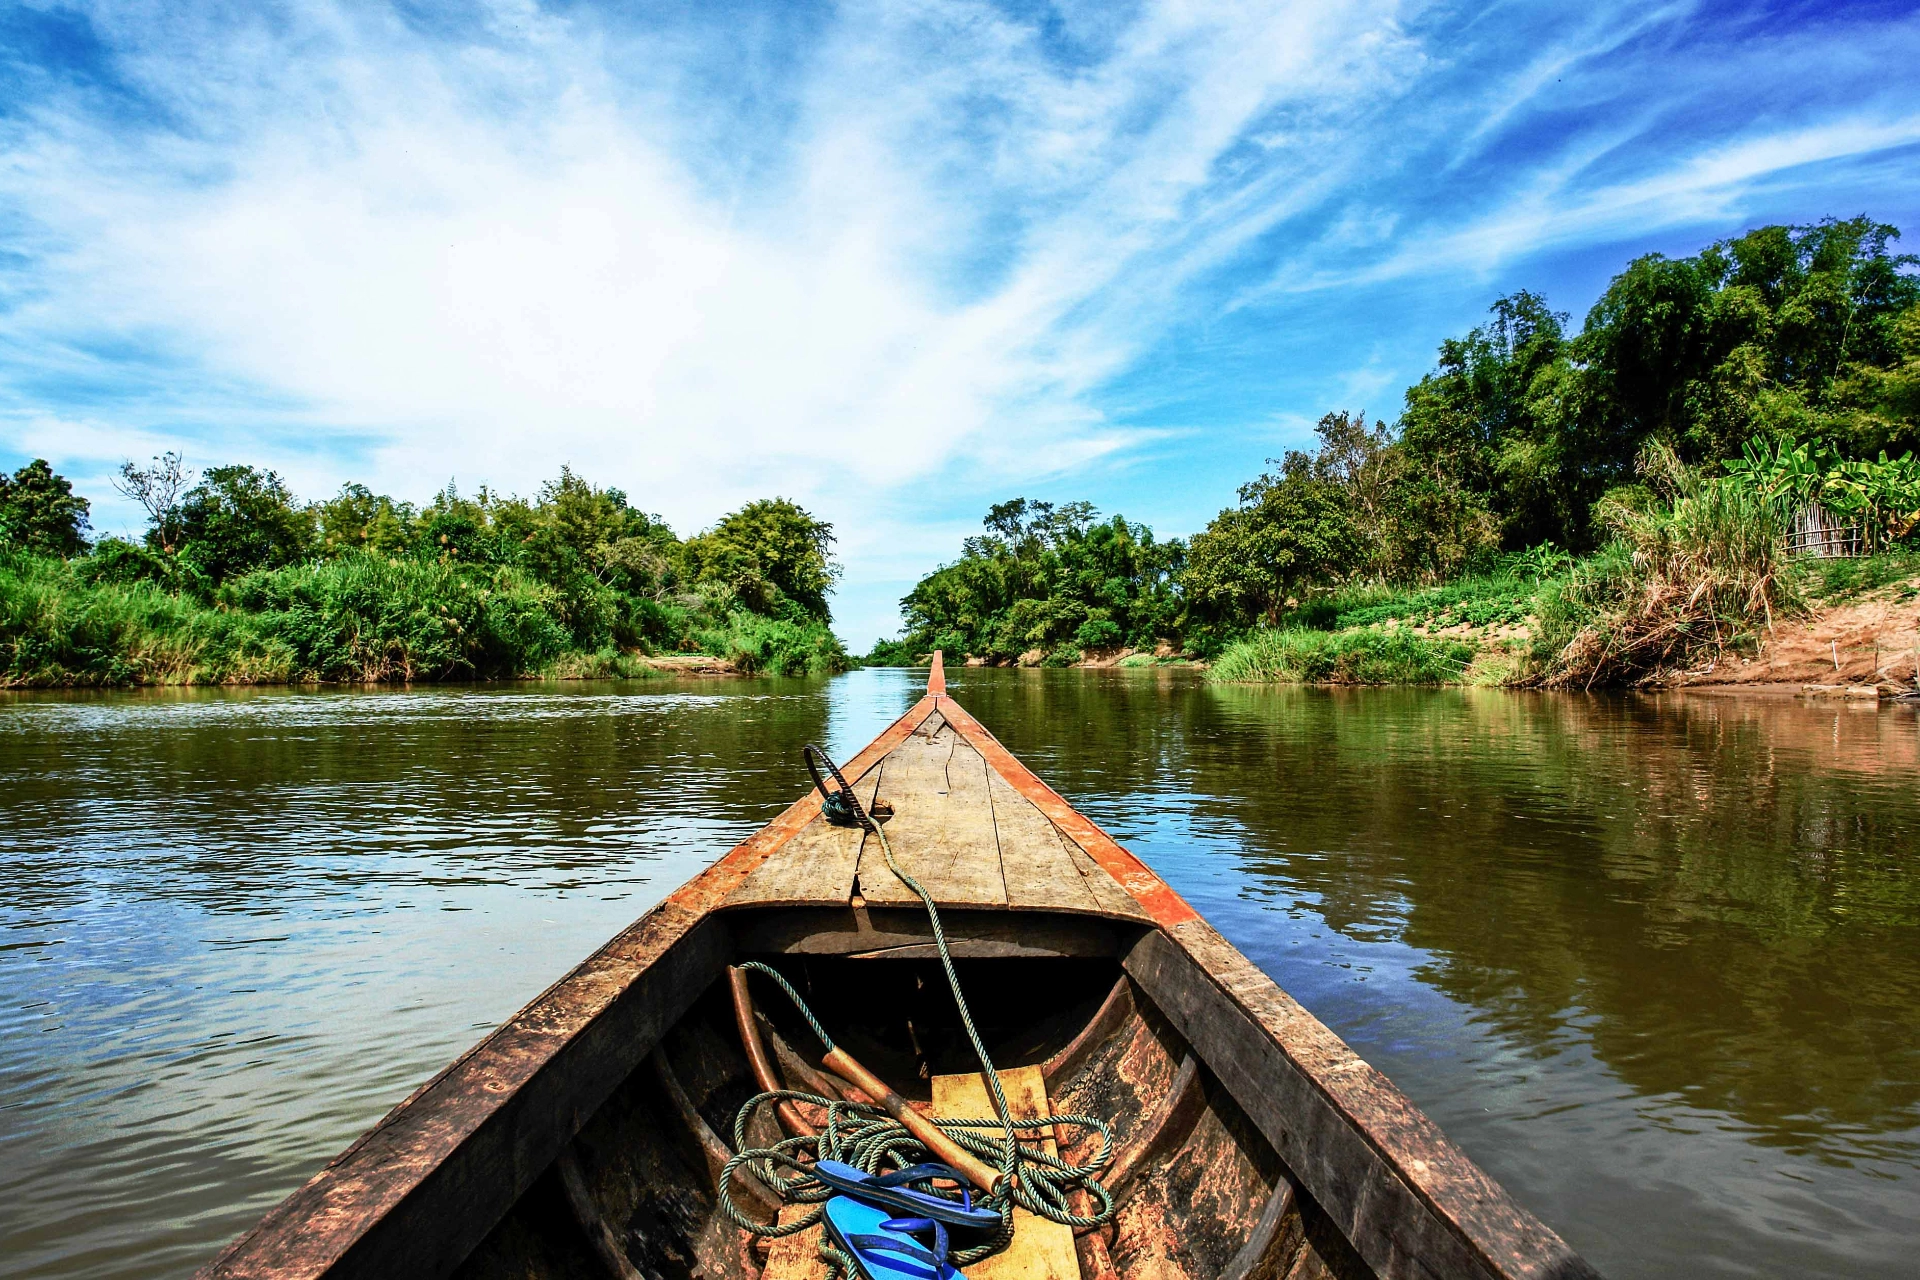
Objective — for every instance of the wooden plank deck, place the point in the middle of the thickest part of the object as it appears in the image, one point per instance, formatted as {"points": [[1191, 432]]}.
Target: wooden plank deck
{"points": [[959, 827]]}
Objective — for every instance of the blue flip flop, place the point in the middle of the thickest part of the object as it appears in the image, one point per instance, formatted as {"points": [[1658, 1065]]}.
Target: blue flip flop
{"points": [[881, 1246], [894, 1191]]}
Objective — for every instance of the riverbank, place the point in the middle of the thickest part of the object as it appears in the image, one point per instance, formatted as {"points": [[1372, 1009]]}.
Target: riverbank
{"points": [[1844, 623], [368, 619]]}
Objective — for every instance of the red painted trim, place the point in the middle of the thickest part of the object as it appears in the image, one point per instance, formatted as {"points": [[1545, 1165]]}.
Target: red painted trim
{"points": [[1155, 895], [937, 678], [708, 889]]}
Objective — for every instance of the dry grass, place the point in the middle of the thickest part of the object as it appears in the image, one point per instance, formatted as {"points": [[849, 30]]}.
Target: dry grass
{"points": [[1681, 584]]}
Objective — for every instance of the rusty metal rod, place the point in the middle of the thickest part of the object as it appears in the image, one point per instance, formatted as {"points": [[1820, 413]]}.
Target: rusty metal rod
{"points": [[790, 1117]]}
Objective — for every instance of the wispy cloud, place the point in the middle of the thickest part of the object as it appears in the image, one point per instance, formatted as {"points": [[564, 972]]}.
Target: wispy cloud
{"points": [[832, 252]]}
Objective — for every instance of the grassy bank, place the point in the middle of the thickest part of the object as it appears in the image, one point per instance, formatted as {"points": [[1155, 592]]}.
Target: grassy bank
{"points": [[1392, 656], [1683, 586], [360, 617]]}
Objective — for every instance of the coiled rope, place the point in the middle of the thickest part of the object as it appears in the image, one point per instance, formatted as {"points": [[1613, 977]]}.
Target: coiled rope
{"points": [[867, 1138]]}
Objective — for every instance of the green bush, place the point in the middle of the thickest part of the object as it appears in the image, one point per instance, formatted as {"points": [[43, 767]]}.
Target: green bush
{"points": [[1681, 582], [891, 653], [56, 629], [364, 617], [1393, 656], [1098, 633], [775, 646]]}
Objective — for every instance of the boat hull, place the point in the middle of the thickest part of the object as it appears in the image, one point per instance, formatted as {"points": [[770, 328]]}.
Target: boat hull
{"points": [[584, 1135]]}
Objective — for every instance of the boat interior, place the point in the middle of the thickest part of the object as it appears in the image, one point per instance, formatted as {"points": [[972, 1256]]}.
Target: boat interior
{"points": [[1200, 1192]]}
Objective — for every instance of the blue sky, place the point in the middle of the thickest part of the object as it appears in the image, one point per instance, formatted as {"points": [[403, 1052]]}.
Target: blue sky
{"points": [[896, 261]]}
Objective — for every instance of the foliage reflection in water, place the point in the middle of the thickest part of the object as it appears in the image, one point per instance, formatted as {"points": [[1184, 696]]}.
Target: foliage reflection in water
{"points": [[1654, 961]]}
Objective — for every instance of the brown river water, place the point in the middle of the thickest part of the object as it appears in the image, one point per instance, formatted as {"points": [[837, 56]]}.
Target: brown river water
{"points": [[1654, 961]]}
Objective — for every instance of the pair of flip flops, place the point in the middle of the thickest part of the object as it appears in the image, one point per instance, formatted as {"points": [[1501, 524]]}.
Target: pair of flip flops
{"points": [[888, 1245]]}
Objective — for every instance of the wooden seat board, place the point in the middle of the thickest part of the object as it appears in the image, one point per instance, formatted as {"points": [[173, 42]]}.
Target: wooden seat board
{"points": [[942, 831], [796, 1257], [1041, 1249], [1034, 862], [815, 866]]}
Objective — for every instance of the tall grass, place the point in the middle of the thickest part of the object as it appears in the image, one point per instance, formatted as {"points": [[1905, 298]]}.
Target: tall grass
{"points": [[57, 630], [364, 617], [776, 646], [1681, 583], [1392, 656], [360, 618]]}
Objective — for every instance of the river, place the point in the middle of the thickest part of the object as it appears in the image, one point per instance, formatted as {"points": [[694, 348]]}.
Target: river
{"points": [[1654, 961]]}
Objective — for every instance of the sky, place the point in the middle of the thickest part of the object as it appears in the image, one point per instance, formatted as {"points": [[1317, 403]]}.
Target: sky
{"points": [[893, 261]]}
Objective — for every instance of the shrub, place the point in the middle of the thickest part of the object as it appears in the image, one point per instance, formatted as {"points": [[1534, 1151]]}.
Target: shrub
{"points": [[1681, 581], [1097, 633], [891, 653], [1392, 656], [364, 617], [777, 646], [58, 630]]}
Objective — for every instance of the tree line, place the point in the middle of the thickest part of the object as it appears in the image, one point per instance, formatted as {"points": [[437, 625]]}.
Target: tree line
{"points": [[361, 585], [1522, 438]]}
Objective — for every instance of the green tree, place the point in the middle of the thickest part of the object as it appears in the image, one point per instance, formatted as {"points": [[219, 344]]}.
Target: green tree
{"points": [[767, 550], [1290, 531], [238, 519], [40, 512], [357, 518], [1052, 578]]}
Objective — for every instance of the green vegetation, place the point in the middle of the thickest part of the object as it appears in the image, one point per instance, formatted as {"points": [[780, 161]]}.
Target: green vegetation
{"points": [[236, 580], [1669, 444], [1395, 655], [1687, 577], [1044, 581]]}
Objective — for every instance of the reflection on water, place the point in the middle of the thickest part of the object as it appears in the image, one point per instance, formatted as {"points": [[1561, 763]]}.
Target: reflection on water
{"points": [[1654, 961]]}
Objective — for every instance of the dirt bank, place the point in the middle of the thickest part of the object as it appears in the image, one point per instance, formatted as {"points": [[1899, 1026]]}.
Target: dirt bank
{"points": [[1866, 639], [692, 664]]}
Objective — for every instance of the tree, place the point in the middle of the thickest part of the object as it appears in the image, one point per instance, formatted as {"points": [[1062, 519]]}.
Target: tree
{"points": [[357, 517], [771, 543], [1290, 530], [40, 512], [240, 518], [1051, 578], [157, 489]]}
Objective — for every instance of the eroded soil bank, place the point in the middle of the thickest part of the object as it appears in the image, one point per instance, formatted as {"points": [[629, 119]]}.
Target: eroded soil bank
{"points": [[1869, 639]]}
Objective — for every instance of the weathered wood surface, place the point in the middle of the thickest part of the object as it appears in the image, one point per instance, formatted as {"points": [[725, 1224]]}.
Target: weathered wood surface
{"points": [[796, 1257], [1034, 862], [1041, 1249], [1409, 1200], [960, 828], [600, 1237], [942, 829], [817, 865], [414, 1194], [711, 887], [903, 931], [1144, 891]]}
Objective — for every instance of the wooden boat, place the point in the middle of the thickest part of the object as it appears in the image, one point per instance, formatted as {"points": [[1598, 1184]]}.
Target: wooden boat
{"points": [[583, 1137]]}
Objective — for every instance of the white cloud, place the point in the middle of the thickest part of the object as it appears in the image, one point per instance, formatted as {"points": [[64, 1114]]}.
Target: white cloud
{"points": [[836, 262]]}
